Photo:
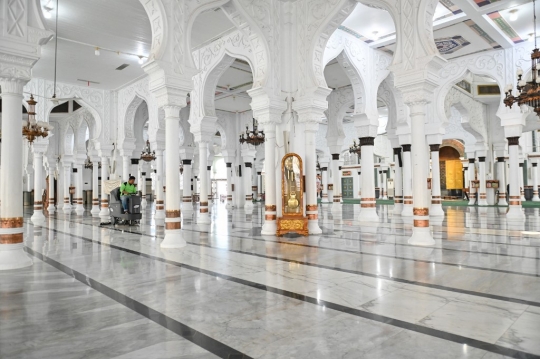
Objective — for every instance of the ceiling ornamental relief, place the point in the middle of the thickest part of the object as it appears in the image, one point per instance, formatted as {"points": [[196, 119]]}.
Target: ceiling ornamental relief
{"points": [[473, 114], [454, 129]]}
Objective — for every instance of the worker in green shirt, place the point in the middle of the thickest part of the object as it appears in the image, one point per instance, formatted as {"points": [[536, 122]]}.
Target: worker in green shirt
{"points": [[127, 189]]}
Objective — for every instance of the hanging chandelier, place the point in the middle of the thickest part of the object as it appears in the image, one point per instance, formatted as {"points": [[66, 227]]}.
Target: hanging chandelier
{"points": [[528, 92], [253, 137], [88, 163], [146, 155], [33, 129], [355, 148], [181, 169]]}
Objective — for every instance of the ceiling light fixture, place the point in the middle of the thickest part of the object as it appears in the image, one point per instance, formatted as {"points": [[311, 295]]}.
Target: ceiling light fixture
{"points": [[528, 92], [97, 51], [47, 14], [513, 15], [141, 60], [253, 137], [375, 35]]}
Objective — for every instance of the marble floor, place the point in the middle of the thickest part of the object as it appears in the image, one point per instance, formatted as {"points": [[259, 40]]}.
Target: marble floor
{"points": [[356, 291]]}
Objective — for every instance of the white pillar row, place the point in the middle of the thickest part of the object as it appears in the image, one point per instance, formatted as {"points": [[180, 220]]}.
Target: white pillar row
{"points": [[535, 182], [12, 255], [472, 177], [204, 217], [521, 182], [160, 206], [104, 213], [248, 204], [187, 205], [482, 197], [421, 234], [229, 185], [78, 170], [142, 187], [173, 234], [398, 182], [436, 201], [407, 182], [324, 180], [311, 177], [368, 210], [38, 216], [501, 167], [336, 183], [95, 187], [51, 209], [67, 183], [269, 226], [514, 204]]}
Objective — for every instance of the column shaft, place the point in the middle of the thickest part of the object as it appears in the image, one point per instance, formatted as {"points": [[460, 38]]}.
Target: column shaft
{"points": [[38, 188], [204, 218], [248, 204], [436, 204], [336, 183], [407, 182], [398, 182], [51, 207], [482, 197], [311, 178], [368, 211], [472, 177], [67, 183], [160, 203], [187, 204], [229, 185], [514, 204], [95, 188], [535, 182], [269, 226], [501, 167], [324, 184], [104, 213]]}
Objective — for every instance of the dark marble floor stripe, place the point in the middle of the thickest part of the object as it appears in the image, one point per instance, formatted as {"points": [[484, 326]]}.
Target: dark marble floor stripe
{"points": [[190, 333], [186, 332]]}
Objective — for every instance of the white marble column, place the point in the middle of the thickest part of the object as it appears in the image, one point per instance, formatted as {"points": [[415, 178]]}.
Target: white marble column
{"points": [[95, 187], [398, 182], [482, 197], [521, 182], [407, 182], [159, 201], [126, 165], [67, 183], [269, 226], [384, 192], [51, 209], [436, 205], [173, 234], [336, 183], [12, 255], [501, 176], [515, 211], [204, 217], [324, 181], [258, 180], [104, 213], [310, 165], [187, 205], [368, 210], [38, 216], [248, 204], [78, 169], [535, 182], [229, 185], [472, 177], [209, 184], [421, 234], [254, 185], [142, 187]]}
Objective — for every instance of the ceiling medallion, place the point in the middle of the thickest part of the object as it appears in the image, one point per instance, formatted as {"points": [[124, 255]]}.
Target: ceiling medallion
{"points": [[147, 155], [528, 92], [355, 148], [253, 137], [33, 129]]}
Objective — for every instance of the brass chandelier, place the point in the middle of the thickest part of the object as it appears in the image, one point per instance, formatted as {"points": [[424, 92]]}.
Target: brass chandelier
{"points": [[528, 92], [33, 129], [146, 154], [355, 148], [253, 137]]}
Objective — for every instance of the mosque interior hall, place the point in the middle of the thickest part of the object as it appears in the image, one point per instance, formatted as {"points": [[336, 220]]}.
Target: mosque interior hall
{"points": [[269, 179]]}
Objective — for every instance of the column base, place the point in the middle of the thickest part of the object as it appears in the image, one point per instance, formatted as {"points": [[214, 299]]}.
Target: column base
{"points": [[95, 211], [483, 202], [536, 198], [204, 218], [67, 208], [229, 205], [79, 209], [269, 228], [248, 205], [515, 213], [502, 202], [51, 209], [13, 256], [436, 210], [37, 217], [160, 214], [421, 236], [368, 215], [313, 227], [407, 210], [187, 207], [523, 199], [398, 209], [173, 239], [472, 201]]}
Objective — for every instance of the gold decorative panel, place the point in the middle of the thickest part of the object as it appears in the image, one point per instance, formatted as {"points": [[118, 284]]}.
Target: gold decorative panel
{"points": [[454, 174]]}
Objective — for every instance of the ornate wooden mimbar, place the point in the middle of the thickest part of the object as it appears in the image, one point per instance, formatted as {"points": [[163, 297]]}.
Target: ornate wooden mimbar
{"points": [[293, 217]]}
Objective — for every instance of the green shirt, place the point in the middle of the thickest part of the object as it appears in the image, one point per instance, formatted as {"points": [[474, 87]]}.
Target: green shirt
{"points": [[129, 188]]}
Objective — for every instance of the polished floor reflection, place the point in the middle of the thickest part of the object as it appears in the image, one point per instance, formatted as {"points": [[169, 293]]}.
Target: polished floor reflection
{"points": [[356, 291]]}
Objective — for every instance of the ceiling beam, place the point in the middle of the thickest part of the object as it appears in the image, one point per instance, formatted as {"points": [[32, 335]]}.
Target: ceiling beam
{"points": [[475, 14]]}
